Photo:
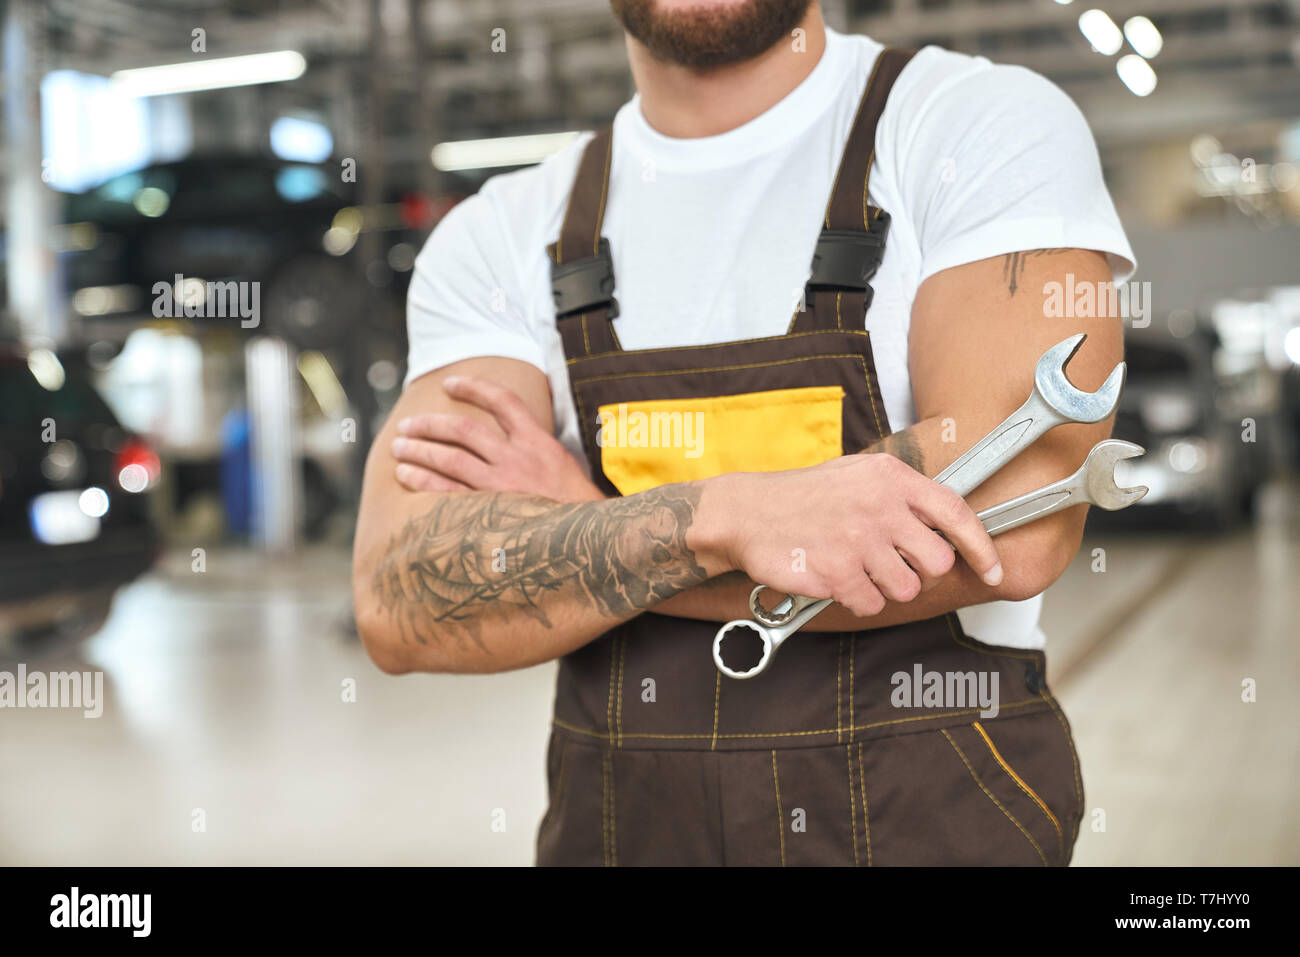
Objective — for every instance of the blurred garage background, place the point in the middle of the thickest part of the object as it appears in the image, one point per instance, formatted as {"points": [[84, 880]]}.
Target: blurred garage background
{"points": [[177, 491]]}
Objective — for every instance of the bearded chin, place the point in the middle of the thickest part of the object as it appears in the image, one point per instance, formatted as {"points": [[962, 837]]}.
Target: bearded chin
{"points": [[706, 37]]}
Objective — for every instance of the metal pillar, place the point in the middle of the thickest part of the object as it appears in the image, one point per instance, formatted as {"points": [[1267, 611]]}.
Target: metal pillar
{"points": [[273, 418], [426, 107], [34, 298]]}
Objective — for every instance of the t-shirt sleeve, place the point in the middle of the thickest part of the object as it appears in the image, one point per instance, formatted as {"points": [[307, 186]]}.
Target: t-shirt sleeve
{"points": [[1002, 161], [464, 301]]}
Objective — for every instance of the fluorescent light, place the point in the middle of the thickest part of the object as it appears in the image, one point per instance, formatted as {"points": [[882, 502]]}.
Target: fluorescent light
{"points": [[46, 369], [1291, 345], [1101, 32], [501, 151], [1143, 36], [93, 502], [1136, 74], [211, 74], [296, 138]]}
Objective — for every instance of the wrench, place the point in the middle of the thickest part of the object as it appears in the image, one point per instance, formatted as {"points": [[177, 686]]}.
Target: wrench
{"points": [[1093, 483], [1053, 401]]}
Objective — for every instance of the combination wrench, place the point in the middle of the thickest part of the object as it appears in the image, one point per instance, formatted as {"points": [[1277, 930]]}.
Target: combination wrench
{"points": [[1093, 483], [1053, 401]]}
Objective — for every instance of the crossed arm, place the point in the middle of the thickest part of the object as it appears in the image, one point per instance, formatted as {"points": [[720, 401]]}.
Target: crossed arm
{"points": [[506, 555]]}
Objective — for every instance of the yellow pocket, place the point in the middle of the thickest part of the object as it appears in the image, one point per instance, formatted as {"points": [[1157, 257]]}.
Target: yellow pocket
{"points": [[647, 444]]}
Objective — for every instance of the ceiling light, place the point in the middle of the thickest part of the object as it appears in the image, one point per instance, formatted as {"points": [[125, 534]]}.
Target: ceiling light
{"points": [[1143, 36], [1136, 74], [211, 74], [501, 151], [1101, 32]]}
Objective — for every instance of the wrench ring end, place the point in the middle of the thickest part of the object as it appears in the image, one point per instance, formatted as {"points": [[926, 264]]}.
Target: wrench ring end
{"points": [[769, 648]]}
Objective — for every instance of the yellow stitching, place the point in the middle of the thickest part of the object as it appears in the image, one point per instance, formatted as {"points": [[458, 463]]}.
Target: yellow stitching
{"points": [[1010, 817], [975, 648], [866, 180], [717, 694], [839, 667], [866, 819], [839, 320], [568, 206], [582, 409], [1033, 796], [604, 809], [743, 365], [866, 90], [780, 814], [613, 820], [720, 345], [853, 803], [609, 707], [871, 397], [872, 388], [853, 713], [728, 735], [1074, 757], [586, 346], [618, 715], [794, 320]]}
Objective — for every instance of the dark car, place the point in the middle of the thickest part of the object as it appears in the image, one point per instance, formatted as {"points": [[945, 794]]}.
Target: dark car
{"points": [[294, 228], [74, 486], [1189, 420]]}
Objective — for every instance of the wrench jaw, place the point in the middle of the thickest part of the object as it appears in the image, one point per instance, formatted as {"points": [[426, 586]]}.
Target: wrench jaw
{"points": [[1099, 474], [742, 632], [1073, 404]]}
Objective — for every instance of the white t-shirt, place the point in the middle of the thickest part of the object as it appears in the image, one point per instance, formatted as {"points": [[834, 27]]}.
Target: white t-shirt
{"points": [[712, 237]]}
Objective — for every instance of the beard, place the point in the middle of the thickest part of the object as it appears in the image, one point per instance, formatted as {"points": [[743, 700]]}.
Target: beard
{"points": [[705, 36]]}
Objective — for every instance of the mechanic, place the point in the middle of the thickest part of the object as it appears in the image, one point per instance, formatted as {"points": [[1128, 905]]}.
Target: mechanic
{"points": [[662, 265]]}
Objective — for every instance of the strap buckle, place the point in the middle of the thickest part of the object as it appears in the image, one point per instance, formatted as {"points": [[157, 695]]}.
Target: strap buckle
{"points": [[848, 258], [582, 284]]}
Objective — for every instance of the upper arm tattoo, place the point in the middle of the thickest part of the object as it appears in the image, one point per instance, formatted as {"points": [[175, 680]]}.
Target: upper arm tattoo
{"points": [[1013, 264], [475, 555]]}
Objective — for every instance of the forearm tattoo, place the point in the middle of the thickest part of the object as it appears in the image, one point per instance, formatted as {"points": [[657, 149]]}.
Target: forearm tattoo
{"points": [[1013, 265], [901, 445], [476, 556]]}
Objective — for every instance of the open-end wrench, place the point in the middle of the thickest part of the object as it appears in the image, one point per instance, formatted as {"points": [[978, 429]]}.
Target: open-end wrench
{"points": [[1053, 401], [1093, 483]]}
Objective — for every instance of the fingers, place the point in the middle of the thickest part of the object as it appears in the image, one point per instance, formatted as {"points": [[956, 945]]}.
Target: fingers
{"points": [[860, 596], [946, 511], [891, 576], [448, 461], [461, 430], [415, 479], [924, 550], [504, 406]]}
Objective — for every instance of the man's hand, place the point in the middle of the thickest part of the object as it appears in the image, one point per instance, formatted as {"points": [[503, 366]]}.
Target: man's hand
{"points": [[447, 452], [860, 529]]}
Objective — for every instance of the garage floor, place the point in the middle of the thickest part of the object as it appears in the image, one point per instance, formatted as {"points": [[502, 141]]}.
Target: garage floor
{"points": [[226, 737]]}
